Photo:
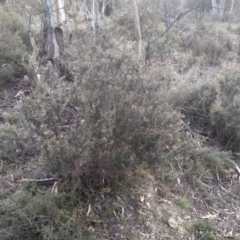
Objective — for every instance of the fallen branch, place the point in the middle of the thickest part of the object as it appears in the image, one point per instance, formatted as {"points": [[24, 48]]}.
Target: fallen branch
{"points": [[43, 181]]}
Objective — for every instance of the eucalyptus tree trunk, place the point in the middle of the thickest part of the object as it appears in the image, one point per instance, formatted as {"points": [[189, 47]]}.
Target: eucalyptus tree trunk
{"points": [[53, 32], [103, 8], [93, 14], [137, 28], [56, 35], [214, 7], [218, 8], [232, 5]]}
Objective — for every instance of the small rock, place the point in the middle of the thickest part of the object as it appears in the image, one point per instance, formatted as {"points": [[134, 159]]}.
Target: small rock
{"points": [[173, 223], [142, 198], [148, 205]]}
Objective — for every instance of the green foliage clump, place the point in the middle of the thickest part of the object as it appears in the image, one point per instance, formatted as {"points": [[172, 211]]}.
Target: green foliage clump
{"points": [[204, 226], [13, 45], [110, 118], [182, 202], [7, 133], [31, 215], [16, 142], [195, 98], [224, 112], [210, 105], [205, 41], [88, 133], [209, 236], [206, 229]]}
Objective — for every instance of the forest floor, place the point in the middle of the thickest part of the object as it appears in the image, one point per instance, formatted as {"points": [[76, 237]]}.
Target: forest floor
{"points": [[148, 207], [145, 205]]}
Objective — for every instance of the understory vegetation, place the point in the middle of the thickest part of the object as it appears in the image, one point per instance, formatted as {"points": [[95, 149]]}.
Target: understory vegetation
{"points": [[121, 119]]}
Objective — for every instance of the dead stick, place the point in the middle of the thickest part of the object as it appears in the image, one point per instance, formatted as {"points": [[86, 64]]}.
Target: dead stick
{"points": [[46, 180]]}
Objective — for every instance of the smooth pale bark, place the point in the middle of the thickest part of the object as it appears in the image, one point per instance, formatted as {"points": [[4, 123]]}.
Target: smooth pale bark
{"points": [[93, 14], [214, 7], [232, 5], [218, 8], [55, 33], [137, 28], [82, 5], [103, 7]]}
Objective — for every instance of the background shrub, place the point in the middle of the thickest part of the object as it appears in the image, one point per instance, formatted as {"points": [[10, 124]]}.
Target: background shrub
{"points": [[13, 45]]}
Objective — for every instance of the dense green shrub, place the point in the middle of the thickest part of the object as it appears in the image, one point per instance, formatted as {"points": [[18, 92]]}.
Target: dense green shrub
{"points": [[13, 45], [224, 113], [30, 215], [205, 40], [210, 48], [89, 132], [111, 116], [211, 105], [195, 98]]}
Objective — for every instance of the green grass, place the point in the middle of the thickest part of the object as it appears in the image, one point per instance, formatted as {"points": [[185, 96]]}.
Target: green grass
{"points": [[203, 226], [209, 236], [182, 202], [206, 228]]}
